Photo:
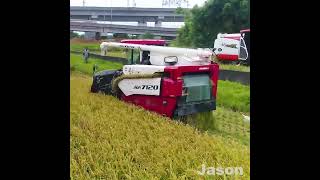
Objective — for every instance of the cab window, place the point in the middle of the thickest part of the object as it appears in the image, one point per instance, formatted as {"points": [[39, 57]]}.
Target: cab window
{"points": [[133, 56]]}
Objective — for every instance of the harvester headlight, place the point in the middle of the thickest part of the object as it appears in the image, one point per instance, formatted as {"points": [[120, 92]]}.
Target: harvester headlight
{"points": [[184, 91]]}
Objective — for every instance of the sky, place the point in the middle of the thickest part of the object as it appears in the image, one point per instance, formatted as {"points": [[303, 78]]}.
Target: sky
{"points": [[124, 3]]}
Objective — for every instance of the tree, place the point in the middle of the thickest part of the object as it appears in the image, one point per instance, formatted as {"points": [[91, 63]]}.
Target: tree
{"points": [[202, 24], [121, 35], [73, 35]]}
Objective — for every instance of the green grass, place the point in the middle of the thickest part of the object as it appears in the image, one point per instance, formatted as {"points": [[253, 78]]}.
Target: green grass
{"points": [[111, 139], [234, 96], [234, 67], [117, 54], [77, 63], [95, 48]]}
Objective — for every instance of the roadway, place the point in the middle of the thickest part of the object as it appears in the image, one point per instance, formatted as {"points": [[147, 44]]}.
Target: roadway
{"points": [[91, 26], [126, 14]]}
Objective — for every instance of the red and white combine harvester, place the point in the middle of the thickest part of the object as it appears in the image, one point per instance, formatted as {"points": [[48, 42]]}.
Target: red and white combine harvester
{"points": [[174, 82], [233, 48], [154, 42]]}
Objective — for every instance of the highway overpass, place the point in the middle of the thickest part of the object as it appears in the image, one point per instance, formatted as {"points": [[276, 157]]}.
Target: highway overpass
{"points": [[126, 14], [89, 26]]}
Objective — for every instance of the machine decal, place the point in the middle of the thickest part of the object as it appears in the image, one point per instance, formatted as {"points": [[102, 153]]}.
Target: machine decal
{"points": [[144, 86], [126, 46], [147, 87], [230, 45], [142, 69]]}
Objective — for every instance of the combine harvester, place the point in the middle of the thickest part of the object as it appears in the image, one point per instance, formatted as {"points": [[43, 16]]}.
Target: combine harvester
{"points": [[174, 82], [154, 42], [233, 48]]}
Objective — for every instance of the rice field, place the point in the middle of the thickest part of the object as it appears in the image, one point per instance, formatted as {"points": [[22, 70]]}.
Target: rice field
{"points": [[111, 139]]}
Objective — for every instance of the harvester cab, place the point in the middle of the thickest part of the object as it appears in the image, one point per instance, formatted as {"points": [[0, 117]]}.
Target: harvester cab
{"points": [[173, 82]]}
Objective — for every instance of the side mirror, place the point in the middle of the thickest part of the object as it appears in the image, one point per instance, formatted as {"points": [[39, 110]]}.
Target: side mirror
{"points": [[171, 60], [95, 68]]}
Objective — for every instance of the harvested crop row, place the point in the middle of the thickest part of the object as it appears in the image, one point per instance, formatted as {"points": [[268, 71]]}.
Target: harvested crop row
{"points": [[111, 139], [224, 122]]}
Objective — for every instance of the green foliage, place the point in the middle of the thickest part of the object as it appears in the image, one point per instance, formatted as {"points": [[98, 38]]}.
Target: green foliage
{"points": [[202, 24], [234, 67], [73, 35], [146, 36], [120, 35], [111, 139]]}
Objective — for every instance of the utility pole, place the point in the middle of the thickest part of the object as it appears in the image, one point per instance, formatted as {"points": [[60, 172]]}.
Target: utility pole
{"points": [[104, 16], [111, 10], [83, 2]]}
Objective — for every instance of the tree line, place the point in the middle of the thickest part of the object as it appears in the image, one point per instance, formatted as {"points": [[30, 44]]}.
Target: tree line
{"points": [[202, 24]]}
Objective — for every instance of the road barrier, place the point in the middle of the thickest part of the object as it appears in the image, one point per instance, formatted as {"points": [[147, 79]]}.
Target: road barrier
{"points": [[107, 58], [235, 76]]}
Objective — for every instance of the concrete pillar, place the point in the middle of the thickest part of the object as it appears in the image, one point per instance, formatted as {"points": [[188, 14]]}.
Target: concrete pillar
{"points": [[142, 23], [158, 23]]}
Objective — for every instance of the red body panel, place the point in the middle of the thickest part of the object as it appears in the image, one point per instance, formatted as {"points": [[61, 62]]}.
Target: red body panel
{"points": [[157, 42], [235, 38], [245, 30], [162, 105], [228, 57], [171, 89]]}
